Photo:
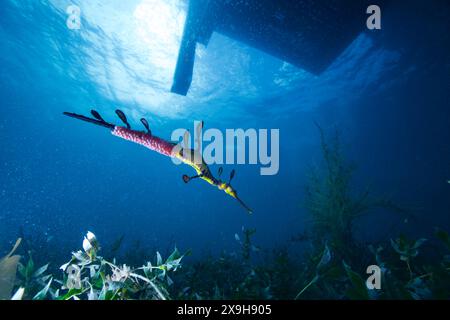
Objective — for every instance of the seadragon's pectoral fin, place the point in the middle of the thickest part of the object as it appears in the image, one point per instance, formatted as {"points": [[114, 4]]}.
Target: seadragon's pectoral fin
{"points": [[186, 178]]}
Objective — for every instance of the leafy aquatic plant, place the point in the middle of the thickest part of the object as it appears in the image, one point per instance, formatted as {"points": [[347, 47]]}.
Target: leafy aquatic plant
{"points": [[316, 276], [31, 279], [331, 203], [435, 280], [282, 271], [90, 276], [246, 245], [427, 281], [358, 289], [319, 270], [236, 276], [407, 250], [334, 209]]}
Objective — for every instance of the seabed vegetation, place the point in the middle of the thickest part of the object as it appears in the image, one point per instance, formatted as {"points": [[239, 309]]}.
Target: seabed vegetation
{"points": [[334, 266]]}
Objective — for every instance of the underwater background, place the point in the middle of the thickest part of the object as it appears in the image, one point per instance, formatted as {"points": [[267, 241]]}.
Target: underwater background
{"points": [[387, 95]]}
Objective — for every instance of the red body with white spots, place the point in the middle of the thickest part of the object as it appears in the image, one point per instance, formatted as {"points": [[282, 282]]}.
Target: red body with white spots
{"points": [[152, 142]]}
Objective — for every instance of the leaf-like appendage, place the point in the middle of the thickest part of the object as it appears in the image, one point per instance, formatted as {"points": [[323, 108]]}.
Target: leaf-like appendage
{"points": [[159, 260], [418, 243], [40, 271], [29, 269], [325, 260], [43, 293], [71, 293], [358, 291], [174, 256]]}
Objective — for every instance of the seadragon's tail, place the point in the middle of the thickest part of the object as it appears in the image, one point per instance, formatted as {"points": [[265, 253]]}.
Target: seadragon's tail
{"points": [[145, 139], [98, 119]]}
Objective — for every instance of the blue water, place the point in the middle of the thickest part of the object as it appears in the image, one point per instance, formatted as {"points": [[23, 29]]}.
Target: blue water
{"points": [[388, 94]]}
